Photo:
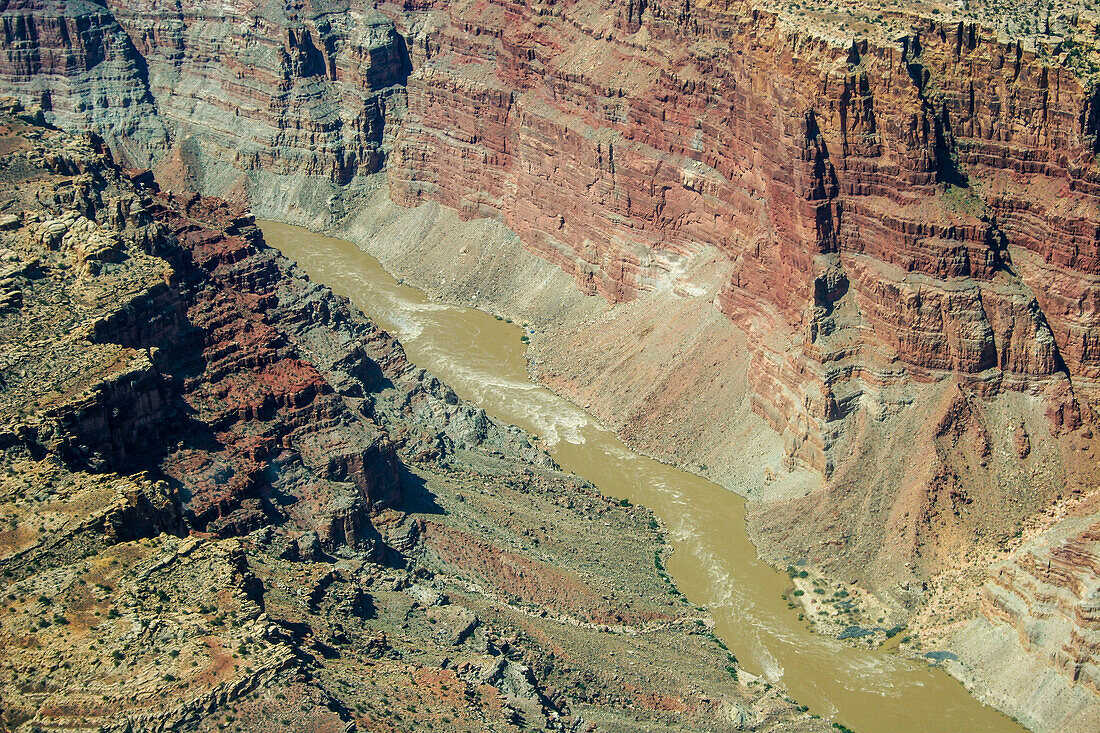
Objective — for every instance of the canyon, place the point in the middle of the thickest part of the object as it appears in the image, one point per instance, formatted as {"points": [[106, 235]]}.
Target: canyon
{"points": [[229, 501], [864, 242]]}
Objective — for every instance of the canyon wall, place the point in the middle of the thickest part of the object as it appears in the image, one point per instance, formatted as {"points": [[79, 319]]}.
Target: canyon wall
{"points": [[907, 211], [870, 195]]}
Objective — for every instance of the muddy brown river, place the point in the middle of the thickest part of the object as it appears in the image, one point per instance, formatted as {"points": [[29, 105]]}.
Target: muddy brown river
{"points": [[714, 562]]}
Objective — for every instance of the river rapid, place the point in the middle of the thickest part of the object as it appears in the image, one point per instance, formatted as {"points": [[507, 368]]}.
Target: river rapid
{"points": [[714, 563]]}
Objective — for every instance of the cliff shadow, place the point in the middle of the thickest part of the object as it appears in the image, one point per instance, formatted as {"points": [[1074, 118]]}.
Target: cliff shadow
{"points": [[416, 497]]}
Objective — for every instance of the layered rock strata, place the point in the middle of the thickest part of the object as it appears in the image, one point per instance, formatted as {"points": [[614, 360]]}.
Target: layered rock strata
{"points": [[905, 203], [912, 227], [227, 497], [863, 192], [1054, 582], [1039, 616]]}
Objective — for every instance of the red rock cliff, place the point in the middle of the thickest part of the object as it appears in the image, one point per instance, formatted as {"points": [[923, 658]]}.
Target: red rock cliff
{"points": [[894, 210]]}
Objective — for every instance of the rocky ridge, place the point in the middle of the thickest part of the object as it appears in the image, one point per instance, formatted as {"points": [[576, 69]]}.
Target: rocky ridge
{"points": [[227, 500]]}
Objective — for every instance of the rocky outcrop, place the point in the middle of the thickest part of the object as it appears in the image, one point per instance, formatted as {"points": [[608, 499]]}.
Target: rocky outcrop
{"points": [[251, 391], [175, 362], [1038, 616], [1050, 596]]}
